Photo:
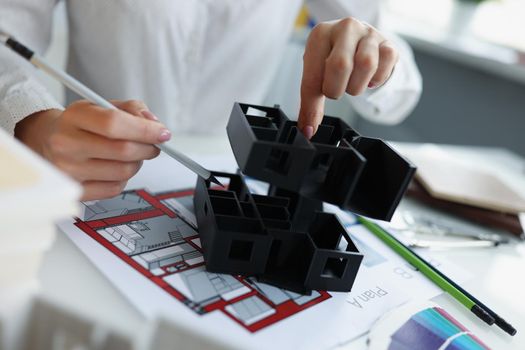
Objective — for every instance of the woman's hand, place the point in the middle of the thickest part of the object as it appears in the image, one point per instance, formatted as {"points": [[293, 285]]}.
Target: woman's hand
{"points": [[341, 56], [100, 148]]}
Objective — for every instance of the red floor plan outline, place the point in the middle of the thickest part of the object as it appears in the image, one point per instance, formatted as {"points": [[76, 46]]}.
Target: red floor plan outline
{"points": [[147, 231]]}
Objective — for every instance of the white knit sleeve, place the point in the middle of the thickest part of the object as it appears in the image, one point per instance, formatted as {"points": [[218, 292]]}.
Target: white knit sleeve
{"points": [[21, 93], [395, 100]]}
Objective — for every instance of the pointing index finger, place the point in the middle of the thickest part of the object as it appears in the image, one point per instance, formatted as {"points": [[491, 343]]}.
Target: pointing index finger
{"points": [[312, 97]]}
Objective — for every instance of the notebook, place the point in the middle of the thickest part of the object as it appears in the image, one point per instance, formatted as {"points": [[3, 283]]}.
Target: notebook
{"points": [[444, 177]]}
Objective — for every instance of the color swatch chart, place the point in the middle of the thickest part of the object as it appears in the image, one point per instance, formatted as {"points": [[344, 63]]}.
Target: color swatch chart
{"points": [[430, 328]]}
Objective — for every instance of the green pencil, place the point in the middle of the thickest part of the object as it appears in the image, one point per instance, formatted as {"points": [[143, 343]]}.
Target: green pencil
{"points": [[499, 321], [426, 269]]}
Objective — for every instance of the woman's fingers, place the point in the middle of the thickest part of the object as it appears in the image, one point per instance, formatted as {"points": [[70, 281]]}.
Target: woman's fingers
{"points": [[366, 60], [99, 169], [115, 124], [103, 148], [340, 63], [136, 108], [345, 55], [388, 57], [312, 97], [133, 107], [77, 145], [102, 189]]}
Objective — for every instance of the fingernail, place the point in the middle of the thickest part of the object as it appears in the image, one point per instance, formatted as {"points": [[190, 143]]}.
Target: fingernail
{"points": [[371, 85], [165, 135], [148, 115], [308, 131]]}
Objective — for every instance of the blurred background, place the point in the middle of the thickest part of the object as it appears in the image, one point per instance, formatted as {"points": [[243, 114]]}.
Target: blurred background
{"points": [[471, 54]]}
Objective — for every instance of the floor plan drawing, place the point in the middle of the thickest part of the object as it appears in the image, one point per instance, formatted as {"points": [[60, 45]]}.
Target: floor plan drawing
{"points": [[155, 234]]}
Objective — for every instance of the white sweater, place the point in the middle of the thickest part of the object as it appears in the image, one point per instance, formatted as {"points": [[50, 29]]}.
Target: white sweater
{"points": [[189, 60]]}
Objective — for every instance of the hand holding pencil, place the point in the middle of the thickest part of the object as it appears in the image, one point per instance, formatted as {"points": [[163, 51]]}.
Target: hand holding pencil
{"points": [[100, 148]]}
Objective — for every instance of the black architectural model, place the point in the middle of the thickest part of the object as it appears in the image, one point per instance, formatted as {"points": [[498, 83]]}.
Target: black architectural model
{"points": [[285, 238]]}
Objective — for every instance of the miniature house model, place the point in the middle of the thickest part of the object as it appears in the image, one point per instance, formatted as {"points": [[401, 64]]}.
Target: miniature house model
{"points": [[285, 238]]}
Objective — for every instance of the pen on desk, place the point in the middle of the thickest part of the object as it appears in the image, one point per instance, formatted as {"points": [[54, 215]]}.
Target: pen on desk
{"points": [[437, 277], [93, 97], [499, 321], [435, 244]]}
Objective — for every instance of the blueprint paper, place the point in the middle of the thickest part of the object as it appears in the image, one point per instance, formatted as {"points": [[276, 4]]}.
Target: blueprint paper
{"points": [[153, 257]]}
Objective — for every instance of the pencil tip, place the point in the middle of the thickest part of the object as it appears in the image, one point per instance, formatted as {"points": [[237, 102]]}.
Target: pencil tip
{"points": [[215, 181]]}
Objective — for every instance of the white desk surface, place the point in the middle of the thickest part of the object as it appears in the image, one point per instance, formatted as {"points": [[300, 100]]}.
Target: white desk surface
{"points": [[69, 278]]}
